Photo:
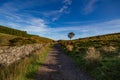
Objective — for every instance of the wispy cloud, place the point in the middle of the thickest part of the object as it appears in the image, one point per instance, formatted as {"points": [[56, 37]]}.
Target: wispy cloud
{"points": [[32, 25], [90, 6], [85, 30], [17, 9], [67, 2], [36, 25], [40, 27], [11, 10], [81, 22], [80, 31], [13, 17], [56, 14]]}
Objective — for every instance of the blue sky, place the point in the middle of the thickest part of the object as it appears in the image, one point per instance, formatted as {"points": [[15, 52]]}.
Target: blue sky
{"points": [[56, 18]]}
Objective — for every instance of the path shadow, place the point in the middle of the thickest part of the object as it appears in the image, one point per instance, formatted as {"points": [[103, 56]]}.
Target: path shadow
{"points": [[51, 69], [59, 67]]}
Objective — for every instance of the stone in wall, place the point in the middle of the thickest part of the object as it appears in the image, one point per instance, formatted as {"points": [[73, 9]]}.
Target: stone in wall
{"points": [[11, 54]]}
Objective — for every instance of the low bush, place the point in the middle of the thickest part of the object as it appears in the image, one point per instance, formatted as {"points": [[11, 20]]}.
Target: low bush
{"points": [[102, 60], [20, 41], [92, 55]]}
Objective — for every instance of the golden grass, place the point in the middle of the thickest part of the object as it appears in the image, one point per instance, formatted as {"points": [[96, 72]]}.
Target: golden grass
{"points": [[69, 47], [109, 49], [92, 54], [26, 69]]}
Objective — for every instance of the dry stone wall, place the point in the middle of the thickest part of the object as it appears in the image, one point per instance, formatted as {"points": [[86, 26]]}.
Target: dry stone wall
{"points": [[10, 55]]}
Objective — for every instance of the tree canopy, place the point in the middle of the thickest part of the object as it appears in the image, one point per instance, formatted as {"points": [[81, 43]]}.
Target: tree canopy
{"points": [[71, 35]]}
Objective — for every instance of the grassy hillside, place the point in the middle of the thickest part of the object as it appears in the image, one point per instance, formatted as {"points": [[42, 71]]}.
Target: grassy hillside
{"points": [[7, 30], [12, 37], [4, 38], [40, 39], [104, 37], [25, 68], [99, 55]]}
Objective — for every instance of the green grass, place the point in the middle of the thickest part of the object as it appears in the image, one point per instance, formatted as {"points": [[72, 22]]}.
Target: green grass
{"points": [[106, 67], [24, 70], [36, 64], [14, 37], [12, 40]]}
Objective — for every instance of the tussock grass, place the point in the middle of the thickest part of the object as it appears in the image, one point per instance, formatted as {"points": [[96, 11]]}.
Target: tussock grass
{"points": [[102, 60], [69, 47], [92, 55], [109, 49]]}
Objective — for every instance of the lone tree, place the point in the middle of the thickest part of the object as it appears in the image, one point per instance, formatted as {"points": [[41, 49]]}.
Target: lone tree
{"points": [[71, 34]]}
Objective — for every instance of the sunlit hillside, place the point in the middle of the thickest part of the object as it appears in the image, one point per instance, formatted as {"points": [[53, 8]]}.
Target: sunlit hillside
{"points": [[98, 55], [12, 37]]}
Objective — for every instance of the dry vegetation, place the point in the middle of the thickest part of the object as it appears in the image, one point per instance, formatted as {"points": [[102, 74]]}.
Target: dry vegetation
{"points": [[92, 55], [26, 68], [99, 56]]}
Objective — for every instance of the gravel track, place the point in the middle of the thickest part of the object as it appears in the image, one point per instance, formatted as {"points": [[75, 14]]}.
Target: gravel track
{"points": [[58, 66]]}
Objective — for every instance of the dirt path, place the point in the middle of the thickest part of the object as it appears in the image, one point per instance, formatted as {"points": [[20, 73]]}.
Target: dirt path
{"points": [[59, 67]]}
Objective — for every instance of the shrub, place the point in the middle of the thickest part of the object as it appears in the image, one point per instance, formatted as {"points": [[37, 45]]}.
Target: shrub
{"points": [[92, 55], [20, 41], [69, 47], [109, 49]]}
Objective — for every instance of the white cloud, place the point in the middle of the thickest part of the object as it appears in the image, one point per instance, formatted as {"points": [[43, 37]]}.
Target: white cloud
{"points": [[36, 25], [13, 16], [56, 14], [13, 9], [39, 26], [62, 9], [86, 30], [90, 6], [31, 25], [67, 2]]}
